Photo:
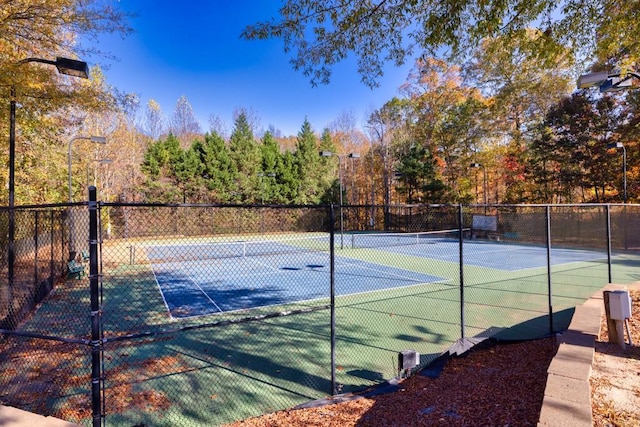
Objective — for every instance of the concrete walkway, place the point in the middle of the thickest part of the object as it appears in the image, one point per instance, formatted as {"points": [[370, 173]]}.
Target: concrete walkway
{"points": [[567, 396], [12, 417]]}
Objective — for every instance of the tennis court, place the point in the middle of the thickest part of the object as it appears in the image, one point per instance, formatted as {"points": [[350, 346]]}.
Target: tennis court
{"points": [[202, 287], [210, 314], [203, 279]]}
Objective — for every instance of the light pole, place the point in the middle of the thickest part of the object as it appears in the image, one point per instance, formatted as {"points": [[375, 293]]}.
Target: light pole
{"points": [[66, 66], [624, 167], [72, 243], [484, 181], [262, 175], [95, 139], [352, 156], [99, 162]]}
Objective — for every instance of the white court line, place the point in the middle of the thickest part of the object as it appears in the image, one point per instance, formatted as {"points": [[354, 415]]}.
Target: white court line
{"points": [[192, 281], [386, 273], [202, 290], [162, 293]]}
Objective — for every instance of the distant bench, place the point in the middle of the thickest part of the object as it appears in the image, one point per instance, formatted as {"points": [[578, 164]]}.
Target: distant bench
{"points": [[75, 270], [511, 235], [484, 226]]}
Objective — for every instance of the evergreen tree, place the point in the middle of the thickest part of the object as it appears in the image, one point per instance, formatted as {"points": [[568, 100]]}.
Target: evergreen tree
{"points": [[270, 164], [161, 162], [245, 154], [418, 178], [328, 179], [308, 160], [218, 169]]}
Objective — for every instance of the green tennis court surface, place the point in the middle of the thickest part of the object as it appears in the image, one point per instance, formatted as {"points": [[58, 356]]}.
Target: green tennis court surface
{"points": [[388, 299]]}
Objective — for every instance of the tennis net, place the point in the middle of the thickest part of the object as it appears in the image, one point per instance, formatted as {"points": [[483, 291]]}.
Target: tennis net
{"points": [[380, 240], [233, 249]]}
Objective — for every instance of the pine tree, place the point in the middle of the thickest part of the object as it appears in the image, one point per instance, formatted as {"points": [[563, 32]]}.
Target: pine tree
{"points": [[245, 154]]}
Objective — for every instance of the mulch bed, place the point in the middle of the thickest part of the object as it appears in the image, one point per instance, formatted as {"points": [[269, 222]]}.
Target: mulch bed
{"points": [[492, 385]]}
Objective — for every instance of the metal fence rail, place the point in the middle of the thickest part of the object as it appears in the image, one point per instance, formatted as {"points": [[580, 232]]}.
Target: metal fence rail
{"points": [[206, 314]]}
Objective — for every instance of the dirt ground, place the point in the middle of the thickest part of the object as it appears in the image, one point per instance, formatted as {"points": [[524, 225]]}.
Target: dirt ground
{"points": [[615, 376]]}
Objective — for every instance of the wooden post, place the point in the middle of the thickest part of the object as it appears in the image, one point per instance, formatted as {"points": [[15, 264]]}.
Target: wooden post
{"points": [[615, 328]]}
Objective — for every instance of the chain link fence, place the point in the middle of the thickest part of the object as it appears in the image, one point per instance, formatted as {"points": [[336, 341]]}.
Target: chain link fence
{"points": [[206, 314]]}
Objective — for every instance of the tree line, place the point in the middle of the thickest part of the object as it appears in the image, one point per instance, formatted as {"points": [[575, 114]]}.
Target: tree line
{"points": [[506, 104], [443, 141]]}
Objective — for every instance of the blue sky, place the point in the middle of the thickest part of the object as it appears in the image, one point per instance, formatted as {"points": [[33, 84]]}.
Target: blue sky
{"points": [[193, 48]]}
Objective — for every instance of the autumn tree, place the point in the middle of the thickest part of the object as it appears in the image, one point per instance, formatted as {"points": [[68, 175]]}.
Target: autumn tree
{"points": [[569, 161], [319, 34], [444, 116], [51, 106], [154, 124], [183, 123], [521, 89]]}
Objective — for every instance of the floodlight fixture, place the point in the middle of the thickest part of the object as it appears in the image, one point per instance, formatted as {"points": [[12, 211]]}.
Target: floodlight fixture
{"points": [[70, 67], [607, 81], [592, 79]]}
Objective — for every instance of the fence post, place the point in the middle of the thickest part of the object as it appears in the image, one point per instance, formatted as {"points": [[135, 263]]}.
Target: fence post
{"points": [[96, 336], [36, 232], [52, 279], [461, 260], [549, 290], [332, 296], [608, 218]]}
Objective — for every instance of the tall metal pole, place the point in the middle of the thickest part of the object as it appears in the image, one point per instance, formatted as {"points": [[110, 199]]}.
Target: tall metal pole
{"points": [[484, 173], [624, 173], [461, 269], [96, 326], [11, 255], [549, 279], [97, 140], [341, 214], [608, 225], [332, 297]]}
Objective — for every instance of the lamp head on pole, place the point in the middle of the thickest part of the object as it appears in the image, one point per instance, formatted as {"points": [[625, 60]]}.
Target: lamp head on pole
{"points": [[72, 67]]}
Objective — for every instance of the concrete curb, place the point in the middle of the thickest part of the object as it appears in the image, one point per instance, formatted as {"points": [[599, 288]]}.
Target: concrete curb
{"points": [[13, 417], [567, 396]]}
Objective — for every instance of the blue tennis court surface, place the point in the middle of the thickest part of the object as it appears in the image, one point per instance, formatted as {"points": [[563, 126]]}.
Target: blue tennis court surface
{"points": [[496, 255], [249, 274], [196, 288]]}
